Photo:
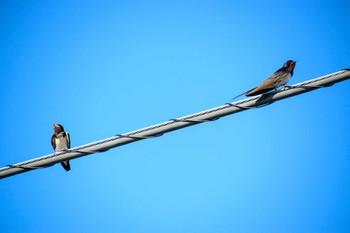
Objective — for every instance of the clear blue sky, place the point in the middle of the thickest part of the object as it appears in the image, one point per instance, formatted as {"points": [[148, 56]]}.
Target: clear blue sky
{"points": [[102, 68]]}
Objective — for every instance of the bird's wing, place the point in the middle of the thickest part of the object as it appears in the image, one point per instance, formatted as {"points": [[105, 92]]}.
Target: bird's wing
{"points": [[53, 141], [68, 140], [267, 85]]}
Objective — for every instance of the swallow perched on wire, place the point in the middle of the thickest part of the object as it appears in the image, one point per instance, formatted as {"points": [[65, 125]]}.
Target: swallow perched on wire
{"points": [[278, 79], [60, 141]]}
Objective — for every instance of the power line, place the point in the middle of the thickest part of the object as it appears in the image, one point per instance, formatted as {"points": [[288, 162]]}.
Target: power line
{"points": [[174, 124]]}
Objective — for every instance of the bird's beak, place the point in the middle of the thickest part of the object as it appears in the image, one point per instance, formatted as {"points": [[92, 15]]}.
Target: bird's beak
{"points": [[292, 64]]}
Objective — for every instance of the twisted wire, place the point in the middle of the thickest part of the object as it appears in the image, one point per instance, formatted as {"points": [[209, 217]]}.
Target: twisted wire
{"points": [[187, 119]]}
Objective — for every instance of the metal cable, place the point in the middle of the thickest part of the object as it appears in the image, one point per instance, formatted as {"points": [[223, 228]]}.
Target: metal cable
{"points": [[201, 117]]}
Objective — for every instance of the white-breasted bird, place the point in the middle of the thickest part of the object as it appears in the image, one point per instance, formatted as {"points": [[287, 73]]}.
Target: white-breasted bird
{"points": [[60, 141]]}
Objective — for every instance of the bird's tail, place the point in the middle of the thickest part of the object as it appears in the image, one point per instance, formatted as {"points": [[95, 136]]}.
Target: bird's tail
{"points": [[238, 96], [66, 165]]}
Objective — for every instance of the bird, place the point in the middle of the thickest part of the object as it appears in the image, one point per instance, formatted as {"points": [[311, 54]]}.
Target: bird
{"points": [[278, 79], [60, 141]]}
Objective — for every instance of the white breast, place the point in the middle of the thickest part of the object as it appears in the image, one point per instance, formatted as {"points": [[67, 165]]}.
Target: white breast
{"points": [[285, 79], [61, 143]]}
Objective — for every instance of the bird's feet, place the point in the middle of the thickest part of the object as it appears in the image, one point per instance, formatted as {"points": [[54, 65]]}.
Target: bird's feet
{"points": [[286, 88]]}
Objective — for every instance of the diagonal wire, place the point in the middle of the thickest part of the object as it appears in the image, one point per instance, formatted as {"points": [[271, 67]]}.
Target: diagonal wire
{"points": [[176, 123]]}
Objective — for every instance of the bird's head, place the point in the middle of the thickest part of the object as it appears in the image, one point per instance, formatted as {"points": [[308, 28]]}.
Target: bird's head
{"points": [[58, 128], [290, 64]]}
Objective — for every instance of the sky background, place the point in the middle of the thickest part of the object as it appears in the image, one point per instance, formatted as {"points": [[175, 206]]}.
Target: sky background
{"points": [[102, 68]]}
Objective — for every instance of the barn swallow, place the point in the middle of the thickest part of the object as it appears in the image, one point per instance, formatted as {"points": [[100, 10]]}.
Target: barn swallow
{"points": [[60, 141], [278, 79]]}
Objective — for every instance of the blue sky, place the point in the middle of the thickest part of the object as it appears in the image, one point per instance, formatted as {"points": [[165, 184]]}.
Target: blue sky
{"points": [[102, 68]]}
